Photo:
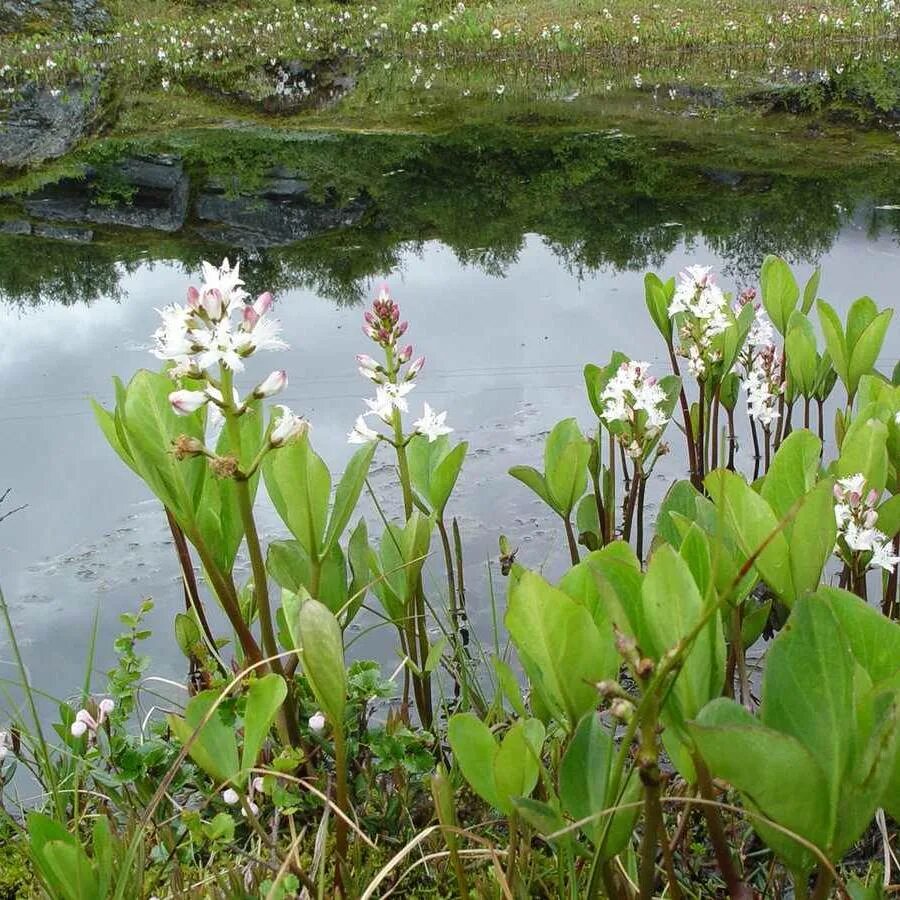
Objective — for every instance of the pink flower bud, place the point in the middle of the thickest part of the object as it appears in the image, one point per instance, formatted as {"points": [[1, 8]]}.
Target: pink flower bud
{"points": [[186, 402], [212, 303], [839, 492], [272, 385], [251, 317], [415, 367], [78, 728], [370, 319], [855, 497], [870, 519], [401, 328], [405, 354], [193, 297], [263, 303], [366, 362], [106, 706], [384, 294], [871, 498]]}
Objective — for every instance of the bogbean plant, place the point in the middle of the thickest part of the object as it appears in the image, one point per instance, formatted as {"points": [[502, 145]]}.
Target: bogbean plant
{"points": [[637, 735]]}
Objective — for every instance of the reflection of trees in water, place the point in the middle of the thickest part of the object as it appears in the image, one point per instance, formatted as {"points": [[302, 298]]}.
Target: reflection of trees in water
{"points": [[598, 202]]}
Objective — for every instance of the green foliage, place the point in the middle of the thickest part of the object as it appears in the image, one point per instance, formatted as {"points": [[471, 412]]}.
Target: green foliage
{"points": [[819, 726]]}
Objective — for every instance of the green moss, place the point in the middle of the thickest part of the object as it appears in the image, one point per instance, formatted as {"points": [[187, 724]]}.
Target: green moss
{"points": [[16, 875]]}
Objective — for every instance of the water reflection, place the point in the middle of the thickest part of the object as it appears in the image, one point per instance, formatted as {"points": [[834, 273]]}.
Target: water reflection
{"points": [[325, 213]]}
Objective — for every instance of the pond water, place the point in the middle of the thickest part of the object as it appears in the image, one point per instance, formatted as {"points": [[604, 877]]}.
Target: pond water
{"points": [[516, 258]]}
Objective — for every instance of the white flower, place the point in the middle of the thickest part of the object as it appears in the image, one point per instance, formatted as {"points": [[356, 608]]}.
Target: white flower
{"points": [[432, 424], [316, 722], [496, 34], [370, 368], [6, 744], [884, 557], [272, 384], [201, 334], [361, 433], [389, 397], [287, 426], [853, 484], [85, 722], [186, 402], [761, 333], [230, 796], [631, 391]]}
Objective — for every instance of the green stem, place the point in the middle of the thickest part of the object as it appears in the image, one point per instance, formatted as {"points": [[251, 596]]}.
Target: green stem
{"points": [[573, 544], [649, 769], [340, 765], [289, 725]]}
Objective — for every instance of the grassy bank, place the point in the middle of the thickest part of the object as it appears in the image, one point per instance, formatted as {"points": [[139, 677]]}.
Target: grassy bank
{"points": [[180, 63]]}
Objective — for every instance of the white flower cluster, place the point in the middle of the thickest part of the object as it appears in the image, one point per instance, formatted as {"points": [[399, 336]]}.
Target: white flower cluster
{"points": [[85, 722], [383, 326], [763, 386], [856, 517], [203, 333], [217, 327], [704, 314], [232, 797], [635, 398]]}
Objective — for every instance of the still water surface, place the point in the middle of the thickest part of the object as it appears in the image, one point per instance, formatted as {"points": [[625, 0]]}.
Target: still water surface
{"points": [[504, 352]]}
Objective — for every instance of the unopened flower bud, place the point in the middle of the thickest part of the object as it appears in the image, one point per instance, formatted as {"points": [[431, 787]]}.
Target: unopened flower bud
{"points": [[870, 519], [263, 303], [106, 706], [415, 367], [622, 709], [316, 722], [839, 492], [257, 784], [212, 303], [644, 668], [871, 498], [405, 354], [272, 385], [230, 796], [854, 499], [185, 402], [193, 297], [401, 328]]}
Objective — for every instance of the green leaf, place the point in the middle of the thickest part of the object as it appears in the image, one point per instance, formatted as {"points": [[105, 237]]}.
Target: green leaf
{"points": [[264, 698], [299, 484], [566, 456], [835, 341], [215, 747], [509, 686], [584, 773], [801, 355], [753, 524], [358, 558], [317, 637], [780, 292], [812, 537], [559, 646], [517, 762], [434, 468], [474, 749], [861, 314], [810, 292], [808, 690], [864, 449], [346, 495], [793, 472], [759, 762], [867, 347], [673, 606], [151, 426], [44, 832], [874, 639], [530, 477], [658, 296]]}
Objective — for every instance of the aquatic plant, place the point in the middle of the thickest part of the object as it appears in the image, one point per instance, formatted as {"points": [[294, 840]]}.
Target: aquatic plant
{"points": [[624, 699]]}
